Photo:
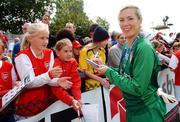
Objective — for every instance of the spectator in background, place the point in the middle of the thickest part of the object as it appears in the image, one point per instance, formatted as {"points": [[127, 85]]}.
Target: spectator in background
{"points": [[65, 60], [76, 50], [177, 39], [65, 33], [71, 27], [16, 40], [92, 29], [175, 47], [3, 56], [174, 65], [46, 20], [172, 35], [114, 38], [93, 50], [91, 33], [159, 47], [16, 47], [87, 40], [115, 52], [4, 39], [25, 27]]}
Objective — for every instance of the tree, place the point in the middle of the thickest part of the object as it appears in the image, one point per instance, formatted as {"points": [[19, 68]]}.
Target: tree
{"points": [[14, 13], [102, 22], [71, 11]]}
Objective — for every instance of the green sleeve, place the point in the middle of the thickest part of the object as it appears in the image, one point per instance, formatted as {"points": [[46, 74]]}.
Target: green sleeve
{"points": [[116, 69], [142, 67]]}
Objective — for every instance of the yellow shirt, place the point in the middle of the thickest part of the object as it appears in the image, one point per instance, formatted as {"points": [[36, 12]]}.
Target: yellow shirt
{"points": [[87, 53]]}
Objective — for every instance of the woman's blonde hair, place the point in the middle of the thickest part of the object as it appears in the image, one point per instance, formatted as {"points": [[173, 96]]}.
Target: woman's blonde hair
{"points": [[32, 31], [137, 11], [62, 43]]}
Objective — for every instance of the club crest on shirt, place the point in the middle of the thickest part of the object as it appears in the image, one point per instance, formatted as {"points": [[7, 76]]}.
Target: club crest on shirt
{"points": [[46, 64], [4, 76]]}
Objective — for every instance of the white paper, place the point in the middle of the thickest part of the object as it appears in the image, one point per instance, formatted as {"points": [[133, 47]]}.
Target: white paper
{"points": [[8, 97], [90, 113], [11, 94], [94, 64]]}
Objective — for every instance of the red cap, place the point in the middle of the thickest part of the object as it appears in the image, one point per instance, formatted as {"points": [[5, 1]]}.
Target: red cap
{"points": [[76, 44]]}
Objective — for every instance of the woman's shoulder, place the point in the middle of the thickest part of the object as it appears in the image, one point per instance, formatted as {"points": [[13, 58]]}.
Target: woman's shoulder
{"points": [[144, 44]]}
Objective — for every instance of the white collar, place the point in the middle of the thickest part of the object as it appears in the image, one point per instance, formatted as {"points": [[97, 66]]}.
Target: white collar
{"points": [[34, 52], [0, 63]]}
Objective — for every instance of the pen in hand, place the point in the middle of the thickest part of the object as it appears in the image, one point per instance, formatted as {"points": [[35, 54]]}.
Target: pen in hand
{"points": [[96, 55], [78, 112]]}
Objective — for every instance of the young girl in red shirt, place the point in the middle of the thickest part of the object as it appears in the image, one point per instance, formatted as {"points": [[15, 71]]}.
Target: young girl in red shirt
{"points": [[65, 60], [7, 81]]}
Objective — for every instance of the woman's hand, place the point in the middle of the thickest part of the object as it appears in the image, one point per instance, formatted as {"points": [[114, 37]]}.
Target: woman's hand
{"points": [[97, 60], [101, 69], [55, 72], [65, 82]]}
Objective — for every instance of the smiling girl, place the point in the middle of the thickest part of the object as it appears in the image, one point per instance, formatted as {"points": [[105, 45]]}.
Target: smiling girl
{"points": [[70, 95]]}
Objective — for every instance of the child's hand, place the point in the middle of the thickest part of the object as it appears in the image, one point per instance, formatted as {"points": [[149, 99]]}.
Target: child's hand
{"points": [[80, 102], [76, 105], [65, 82], [55, 72]]}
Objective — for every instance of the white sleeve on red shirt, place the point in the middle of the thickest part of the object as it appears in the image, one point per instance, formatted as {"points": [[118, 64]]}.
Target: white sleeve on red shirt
{"points": [[173, 62], [14, 76], [24, 68], [51, 63], [53, 82]]}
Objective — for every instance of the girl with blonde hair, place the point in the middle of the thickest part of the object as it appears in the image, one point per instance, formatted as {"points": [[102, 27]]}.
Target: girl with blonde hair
{"points": [[35, 63]]}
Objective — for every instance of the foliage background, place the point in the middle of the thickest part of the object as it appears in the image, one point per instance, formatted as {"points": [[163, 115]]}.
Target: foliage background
{"points": [[16, 12]]}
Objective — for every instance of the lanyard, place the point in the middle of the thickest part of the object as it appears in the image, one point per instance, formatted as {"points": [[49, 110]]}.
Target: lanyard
{"points": [[127, 53]]}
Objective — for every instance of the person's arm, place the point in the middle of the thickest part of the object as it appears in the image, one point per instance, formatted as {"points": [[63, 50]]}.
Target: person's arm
{"points": [[24, 67], [75, 79], [141, 73], [14, 77], [62, 95], [173, 63], [103, 81]]}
